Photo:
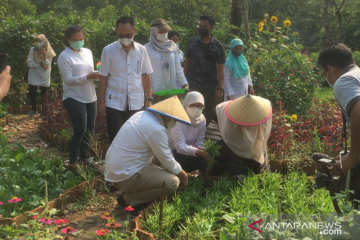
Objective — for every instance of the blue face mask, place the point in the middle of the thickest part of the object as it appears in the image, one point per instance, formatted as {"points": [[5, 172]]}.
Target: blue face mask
{"points": [[77, 45], [177, 44]]}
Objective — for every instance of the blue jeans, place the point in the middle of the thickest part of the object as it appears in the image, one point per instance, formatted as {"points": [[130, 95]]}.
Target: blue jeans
{"points": [[190, 163], [82, 116]]}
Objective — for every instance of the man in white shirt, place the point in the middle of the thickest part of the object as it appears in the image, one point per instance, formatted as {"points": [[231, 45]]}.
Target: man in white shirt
{"points": [[124, 78], [143, 136]]}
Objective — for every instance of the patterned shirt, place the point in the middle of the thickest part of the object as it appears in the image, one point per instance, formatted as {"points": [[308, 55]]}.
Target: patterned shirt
{"points": [[204, 60]]}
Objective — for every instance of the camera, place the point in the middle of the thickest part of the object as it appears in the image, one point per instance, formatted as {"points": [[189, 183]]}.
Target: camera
{"points": [[327, 175]]}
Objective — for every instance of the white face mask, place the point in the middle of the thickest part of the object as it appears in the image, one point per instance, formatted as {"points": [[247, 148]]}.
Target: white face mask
{"points": [[331, 85], [194, 113], [126, 41], [162, 37], [39, 44], [171, 124]]}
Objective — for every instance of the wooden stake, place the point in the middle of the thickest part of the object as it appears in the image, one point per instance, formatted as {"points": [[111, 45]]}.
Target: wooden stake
{"points": [[161, 208]]}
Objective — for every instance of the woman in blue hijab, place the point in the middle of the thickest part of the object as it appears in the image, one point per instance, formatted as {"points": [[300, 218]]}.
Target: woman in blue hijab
{"points": [[237, 73]]}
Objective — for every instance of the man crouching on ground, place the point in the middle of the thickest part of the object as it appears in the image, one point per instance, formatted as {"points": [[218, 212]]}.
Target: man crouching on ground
{"points": [[128, 160]]}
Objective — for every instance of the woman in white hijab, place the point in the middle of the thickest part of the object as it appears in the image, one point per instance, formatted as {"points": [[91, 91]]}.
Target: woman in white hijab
{"points": [[165, 61], [39, 62], [186, 142], [244, 127]]}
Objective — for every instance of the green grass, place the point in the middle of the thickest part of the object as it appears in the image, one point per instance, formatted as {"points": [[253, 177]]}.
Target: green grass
{"points": [[324, 94]]}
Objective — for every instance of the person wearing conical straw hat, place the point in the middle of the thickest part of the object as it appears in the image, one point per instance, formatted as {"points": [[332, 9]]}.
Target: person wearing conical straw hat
{"points": [[128, 160], [244, 125]]}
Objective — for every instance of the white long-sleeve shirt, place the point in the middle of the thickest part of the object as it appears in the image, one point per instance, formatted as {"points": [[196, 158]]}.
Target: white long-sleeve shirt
{"points": [[235, 87], [176, 71], [186, 139], [124, 71], [74, 68], [37, 75], [141, 138]]}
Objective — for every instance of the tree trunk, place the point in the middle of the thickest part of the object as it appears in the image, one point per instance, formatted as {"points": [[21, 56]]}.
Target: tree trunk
{"points": [[326, 22], [339, 19], [236, 15], [246, 20]]}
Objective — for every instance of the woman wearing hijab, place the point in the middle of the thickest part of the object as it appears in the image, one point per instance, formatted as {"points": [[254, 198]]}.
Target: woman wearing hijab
{"points": [[237, 73], [186, 141], [242, 129], [165, 61], [39, 62], [76, 66]]}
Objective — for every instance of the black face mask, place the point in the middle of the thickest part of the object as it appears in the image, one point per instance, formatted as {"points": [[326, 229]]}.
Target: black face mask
{"points": [[237, 53], [203, 32]]}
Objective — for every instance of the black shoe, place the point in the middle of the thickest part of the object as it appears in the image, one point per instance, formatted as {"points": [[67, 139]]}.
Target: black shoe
{"points": [[121, 201], [139, 208]]}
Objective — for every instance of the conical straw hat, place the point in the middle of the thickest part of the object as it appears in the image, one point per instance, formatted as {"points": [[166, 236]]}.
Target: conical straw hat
{"points": [[248, 110], [172, 108]]}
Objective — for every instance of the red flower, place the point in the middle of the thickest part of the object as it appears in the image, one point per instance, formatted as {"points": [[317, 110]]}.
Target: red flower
{"points": [[291, 74], [61, 221], [113, 225], [15, 200], [46, 220], [68, 230], [106, 216], [129, 208], [102, 232], [35, 217], [270, 87]]}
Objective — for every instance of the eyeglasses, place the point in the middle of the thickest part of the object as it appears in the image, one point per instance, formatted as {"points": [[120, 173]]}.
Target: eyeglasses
{"points": [[323, 75], [193, 107]]}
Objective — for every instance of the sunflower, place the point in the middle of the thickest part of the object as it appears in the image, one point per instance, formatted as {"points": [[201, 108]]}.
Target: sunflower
{"points": [[273, 19], [260, 29], [287, 23], [295, 34], [261, 24]]}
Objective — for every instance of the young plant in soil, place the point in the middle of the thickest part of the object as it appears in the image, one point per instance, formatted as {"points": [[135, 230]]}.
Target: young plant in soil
{"points": [[212, 150]]}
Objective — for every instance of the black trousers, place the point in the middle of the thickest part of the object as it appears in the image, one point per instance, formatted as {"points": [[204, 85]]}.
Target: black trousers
{"points": [[115, 119], [190, 163], [210, 104], [33, 95]]}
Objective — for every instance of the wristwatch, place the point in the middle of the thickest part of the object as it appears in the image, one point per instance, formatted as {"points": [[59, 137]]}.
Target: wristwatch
{"points": [[149, 99], [221, 89]]}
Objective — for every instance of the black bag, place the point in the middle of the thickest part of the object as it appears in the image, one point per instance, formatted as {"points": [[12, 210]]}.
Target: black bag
{"points": [[26, 77]]}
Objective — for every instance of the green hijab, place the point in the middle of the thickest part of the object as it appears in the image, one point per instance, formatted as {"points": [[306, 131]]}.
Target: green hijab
{"points": [[238, 66]]}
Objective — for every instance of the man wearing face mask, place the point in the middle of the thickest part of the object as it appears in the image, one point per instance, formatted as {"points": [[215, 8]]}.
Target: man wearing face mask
{"points": [[338, 66], [124, 78], [238, 82], [165, 61], [204, 66], [128, 160]]}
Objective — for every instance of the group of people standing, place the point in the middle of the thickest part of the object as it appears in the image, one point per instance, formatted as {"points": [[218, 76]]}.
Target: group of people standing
{"points": [[168, 134]]}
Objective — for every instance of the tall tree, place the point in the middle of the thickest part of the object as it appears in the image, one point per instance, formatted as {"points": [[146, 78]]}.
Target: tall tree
{"points": [[236, 15]]}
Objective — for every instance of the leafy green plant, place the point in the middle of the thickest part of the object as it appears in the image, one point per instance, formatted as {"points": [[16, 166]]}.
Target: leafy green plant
{"points": [[4, 109], [212, 150]]}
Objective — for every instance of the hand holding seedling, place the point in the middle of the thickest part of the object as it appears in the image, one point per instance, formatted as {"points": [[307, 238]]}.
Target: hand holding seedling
{"points": [[212, 151], [183, 177]]}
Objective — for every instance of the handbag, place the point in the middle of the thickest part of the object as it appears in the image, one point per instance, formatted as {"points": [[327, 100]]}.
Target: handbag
{"points": [[26, 76]]}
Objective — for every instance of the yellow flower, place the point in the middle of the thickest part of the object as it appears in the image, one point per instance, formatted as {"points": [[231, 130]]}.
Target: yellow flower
{"points": [[273, 19], [257, 60], [260, 29], [295, 34], [261, 24], [287, 23], [293, 117], [251, 70]]}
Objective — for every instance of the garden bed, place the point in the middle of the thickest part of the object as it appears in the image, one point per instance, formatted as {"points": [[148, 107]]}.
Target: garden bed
{"points": [[201, 212]]}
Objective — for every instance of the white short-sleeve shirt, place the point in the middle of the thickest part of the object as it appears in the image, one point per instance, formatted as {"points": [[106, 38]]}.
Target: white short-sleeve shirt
{"points": [[124, 71]]}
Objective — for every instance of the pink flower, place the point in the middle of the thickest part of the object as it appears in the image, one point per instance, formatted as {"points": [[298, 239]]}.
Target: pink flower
{"points": [[106, 216], [68, 230], [46, 220], [61, 221], [35, 217], [113, 225], [129, 208], [1, 203], [15, 200], [102, 232]]}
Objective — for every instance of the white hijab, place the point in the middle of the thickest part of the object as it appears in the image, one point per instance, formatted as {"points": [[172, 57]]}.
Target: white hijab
{"points": [[191, 98], [245, 141]]}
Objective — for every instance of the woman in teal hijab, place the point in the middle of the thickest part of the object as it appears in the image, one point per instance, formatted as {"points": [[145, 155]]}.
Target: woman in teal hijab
{"points": [[237, 73]]}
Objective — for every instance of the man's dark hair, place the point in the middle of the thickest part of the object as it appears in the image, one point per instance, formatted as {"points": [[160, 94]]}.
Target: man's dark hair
{"points": [[210, 19], [125, 20], [71, 30], [173, 33], [338, 55]]}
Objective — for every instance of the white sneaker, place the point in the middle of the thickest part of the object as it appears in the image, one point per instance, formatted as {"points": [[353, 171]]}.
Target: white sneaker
{"points": [[31, 113]]}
